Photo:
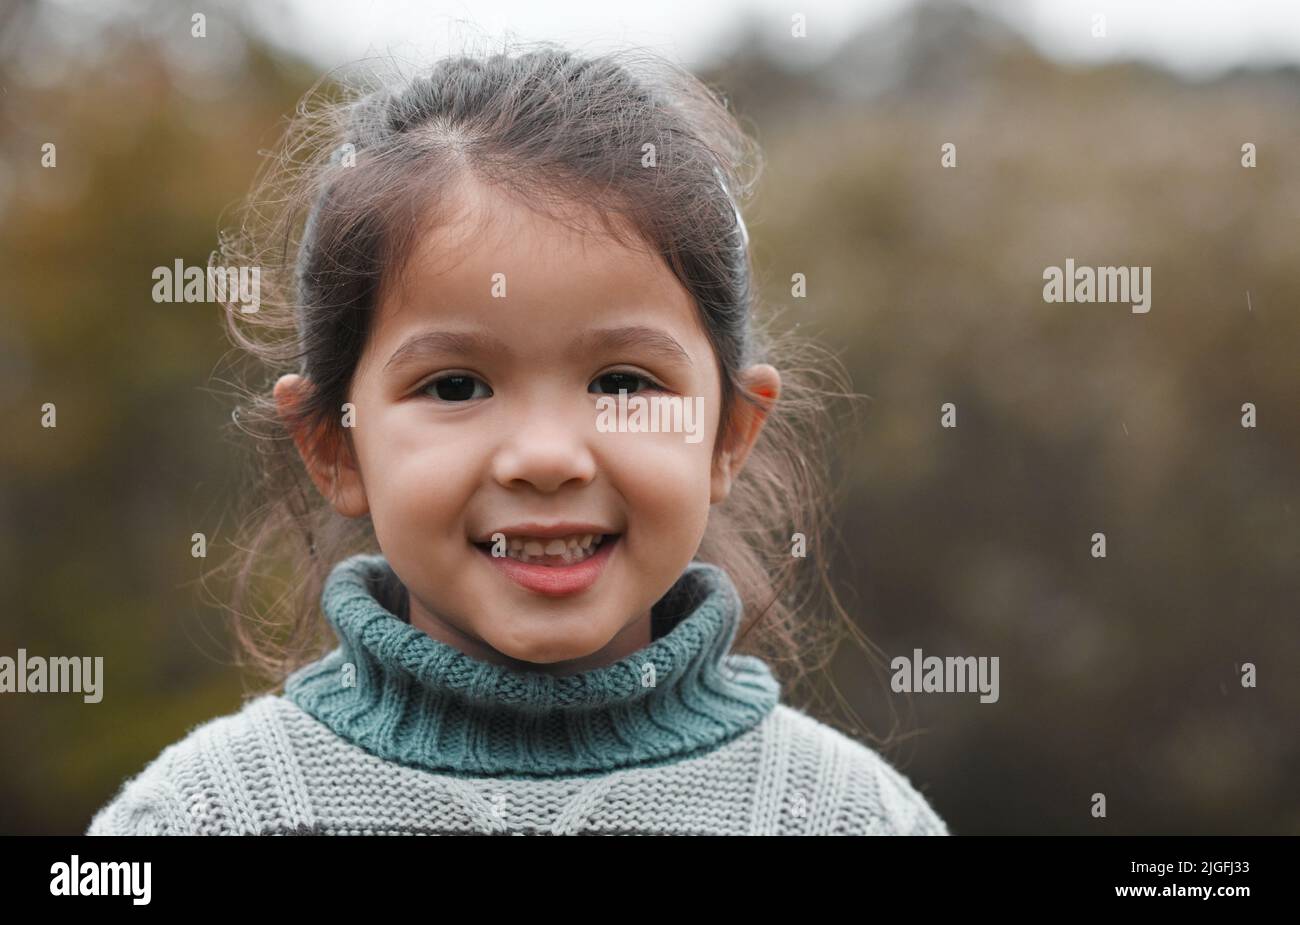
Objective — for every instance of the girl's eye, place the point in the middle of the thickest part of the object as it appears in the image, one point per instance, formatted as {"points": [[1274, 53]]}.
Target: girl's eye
{"points": [[456, 388], [617, 381]]}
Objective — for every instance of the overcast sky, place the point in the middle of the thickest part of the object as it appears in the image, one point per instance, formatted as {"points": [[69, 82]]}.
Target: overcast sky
{"points": [[1197, 37]]}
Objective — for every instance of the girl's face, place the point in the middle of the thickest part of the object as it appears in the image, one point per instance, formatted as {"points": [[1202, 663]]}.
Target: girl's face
{"points": [[476, 416]]}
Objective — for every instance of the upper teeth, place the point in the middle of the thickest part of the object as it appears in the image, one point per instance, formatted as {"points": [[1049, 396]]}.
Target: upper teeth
{"points": [[571, 548]]}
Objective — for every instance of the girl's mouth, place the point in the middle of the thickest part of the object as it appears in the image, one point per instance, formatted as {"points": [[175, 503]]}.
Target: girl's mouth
{"points": [[554, 567]]}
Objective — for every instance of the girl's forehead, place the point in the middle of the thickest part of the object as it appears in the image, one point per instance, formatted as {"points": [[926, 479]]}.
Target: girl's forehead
{"points": [[501, 262], [485, 225]]}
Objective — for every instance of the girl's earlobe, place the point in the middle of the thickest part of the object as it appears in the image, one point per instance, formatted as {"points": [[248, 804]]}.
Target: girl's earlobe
{"points": [[347, 494]]}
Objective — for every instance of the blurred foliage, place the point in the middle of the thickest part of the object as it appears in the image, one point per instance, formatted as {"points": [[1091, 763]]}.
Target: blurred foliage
{"points": [[1118, 675]]}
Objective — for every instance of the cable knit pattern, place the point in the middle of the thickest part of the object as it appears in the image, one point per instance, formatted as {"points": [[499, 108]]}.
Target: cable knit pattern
{"points": [[428, 741]]}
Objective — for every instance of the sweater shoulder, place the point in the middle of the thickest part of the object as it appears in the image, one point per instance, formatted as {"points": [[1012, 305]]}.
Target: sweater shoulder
{"points": [[853, 789], [194, 786]]}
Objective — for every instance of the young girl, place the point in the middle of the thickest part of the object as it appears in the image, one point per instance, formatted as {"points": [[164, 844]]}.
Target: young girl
{"points": [[515, 295]]}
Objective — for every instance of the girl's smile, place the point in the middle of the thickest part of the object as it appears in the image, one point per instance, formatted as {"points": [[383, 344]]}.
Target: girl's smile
{"points": [[557, 562]]}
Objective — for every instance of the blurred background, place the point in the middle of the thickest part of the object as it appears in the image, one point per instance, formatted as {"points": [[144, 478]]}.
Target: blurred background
{"points": [[1118, 675]]}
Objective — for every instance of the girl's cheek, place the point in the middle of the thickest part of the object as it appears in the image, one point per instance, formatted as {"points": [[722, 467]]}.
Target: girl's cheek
{"points": [[413, 458], [662, 467]]}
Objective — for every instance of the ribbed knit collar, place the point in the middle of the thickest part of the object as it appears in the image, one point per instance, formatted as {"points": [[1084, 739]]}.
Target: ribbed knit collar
{"points": [[421, 702]]}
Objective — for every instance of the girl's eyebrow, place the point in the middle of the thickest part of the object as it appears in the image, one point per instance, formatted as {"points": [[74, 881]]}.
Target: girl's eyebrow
{"points": [[652, 340], [470, 343]]}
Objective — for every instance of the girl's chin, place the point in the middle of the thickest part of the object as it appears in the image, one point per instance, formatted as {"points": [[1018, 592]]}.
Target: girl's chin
{"points": [[554, 637], [551, 658]]}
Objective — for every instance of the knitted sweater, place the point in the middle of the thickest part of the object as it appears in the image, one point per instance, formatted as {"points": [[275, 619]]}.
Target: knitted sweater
{"points": [[394, 732]]}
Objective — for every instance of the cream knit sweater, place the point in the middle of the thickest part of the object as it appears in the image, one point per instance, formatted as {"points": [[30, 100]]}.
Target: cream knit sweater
{"points": [[396, 733]]}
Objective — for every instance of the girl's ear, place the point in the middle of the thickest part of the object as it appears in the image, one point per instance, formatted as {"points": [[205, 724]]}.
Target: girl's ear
{"points": [[762, 382], [325, 453]]}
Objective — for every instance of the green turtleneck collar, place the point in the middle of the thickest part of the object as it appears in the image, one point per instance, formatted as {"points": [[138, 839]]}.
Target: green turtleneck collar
{"points": [[421, 702]]}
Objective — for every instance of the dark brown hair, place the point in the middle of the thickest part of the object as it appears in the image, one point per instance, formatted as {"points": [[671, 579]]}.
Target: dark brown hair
{"points": [[363, 172]]}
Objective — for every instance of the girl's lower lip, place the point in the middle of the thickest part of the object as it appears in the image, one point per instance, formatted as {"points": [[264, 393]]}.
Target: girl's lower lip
{"points": [[556, 580]]}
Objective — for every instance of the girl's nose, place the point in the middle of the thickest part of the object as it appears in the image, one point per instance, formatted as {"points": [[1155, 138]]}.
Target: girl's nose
{"points": [[547, 453]]}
